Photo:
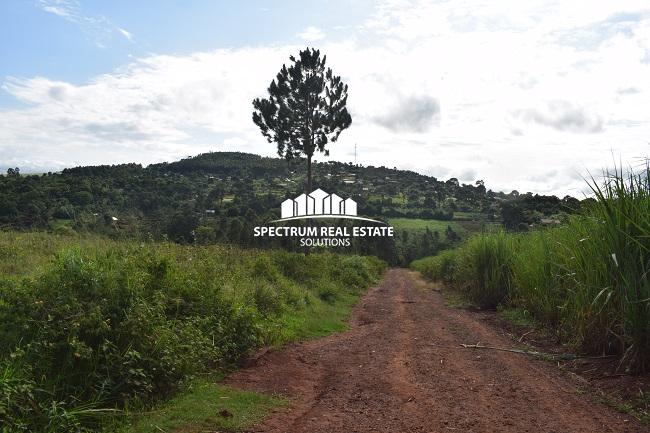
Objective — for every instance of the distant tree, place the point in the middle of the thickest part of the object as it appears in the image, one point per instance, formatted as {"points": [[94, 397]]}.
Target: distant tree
{"points": [[570, 204], [235, 230], [81, 198], [413, 198], [217, 193], [305, 110], [204, 235], [480, 186], [452, 182], [181, 227], [8, 207], [513, 216], [13, 172]]}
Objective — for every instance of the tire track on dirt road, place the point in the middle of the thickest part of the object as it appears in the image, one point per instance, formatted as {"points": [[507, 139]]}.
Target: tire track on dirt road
{"points": [[400, 369]]}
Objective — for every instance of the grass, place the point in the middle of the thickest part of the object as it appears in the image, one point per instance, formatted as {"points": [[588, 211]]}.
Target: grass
{"points": [[89, 325], [484, 268], [195, 408], [638, 407], [588, 279], [481, 268], [27, 254], [456, 299], [323, 319], [517, 316], [205, 406]]}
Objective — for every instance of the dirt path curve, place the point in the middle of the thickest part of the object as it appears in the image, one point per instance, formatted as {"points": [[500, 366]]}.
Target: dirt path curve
{"points": [[400, 369]]}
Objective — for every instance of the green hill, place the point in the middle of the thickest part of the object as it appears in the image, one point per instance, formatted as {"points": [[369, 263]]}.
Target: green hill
{"points": [[218, 198]]}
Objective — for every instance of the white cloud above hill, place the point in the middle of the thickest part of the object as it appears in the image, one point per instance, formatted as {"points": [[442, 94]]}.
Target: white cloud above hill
{"points": [[525, 95]]}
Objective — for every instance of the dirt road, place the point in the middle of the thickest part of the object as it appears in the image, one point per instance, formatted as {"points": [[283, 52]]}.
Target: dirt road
{"points": [[400, 369]]}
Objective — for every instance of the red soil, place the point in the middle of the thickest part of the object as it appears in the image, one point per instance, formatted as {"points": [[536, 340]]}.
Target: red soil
{"points": [[400, 368]]}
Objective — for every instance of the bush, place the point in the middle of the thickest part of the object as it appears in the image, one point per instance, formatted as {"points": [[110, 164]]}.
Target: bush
{"points": [[117, 323]]}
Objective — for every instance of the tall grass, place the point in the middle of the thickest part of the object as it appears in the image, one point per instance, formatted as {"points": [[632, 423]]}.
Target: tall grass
{"points": [[587, 279], [615, 262], [104, 324], [482, 267], [439, 267]]}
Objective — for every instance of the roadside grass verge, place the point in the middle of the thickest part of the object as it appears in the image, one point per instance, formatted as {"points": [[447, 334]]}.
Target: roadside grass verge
{"points": [[90, 326], [517, 316], [587, 280], [638, 407], [205, 406]]}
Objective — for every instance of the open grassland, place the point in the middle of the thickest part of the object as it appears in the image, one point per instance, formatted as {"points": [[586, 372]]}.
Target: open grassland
{"points": [[90, 328], [588, 279]]}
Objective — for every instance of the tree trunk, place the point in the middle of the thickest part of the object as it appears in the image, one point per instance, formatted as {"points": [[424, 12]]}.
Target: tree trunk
{"points": [[309, 222], [308, 174]]}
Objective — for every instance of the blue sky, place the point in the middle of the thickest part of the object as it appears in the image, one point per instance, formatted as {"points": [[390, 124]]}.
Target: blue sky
{"points": [[527, 95], [77, 40]]}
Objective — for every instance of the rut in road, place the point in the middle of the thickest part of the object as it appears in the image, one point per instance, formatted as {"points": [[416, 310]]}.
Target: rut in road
{"points": [[400, 369]]}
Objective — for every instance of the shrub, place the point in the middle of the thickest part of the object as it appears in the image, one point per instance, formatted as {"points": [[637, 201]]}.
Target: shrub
{"points": [[109, 324]]}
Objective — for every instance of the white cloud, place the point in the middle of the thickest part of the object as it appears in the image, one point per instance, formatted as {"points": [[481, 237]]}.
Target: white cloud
{"points": [[125, 33], [411, 114], [497, 88], [311, 34], [563, 116], [68, 9], [97, 28], [57, 11]]}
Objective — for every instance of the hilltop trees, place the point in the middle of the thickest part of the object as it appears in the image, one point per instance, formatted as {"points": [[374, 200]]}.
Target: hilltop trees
{"points": [[305, 110]]}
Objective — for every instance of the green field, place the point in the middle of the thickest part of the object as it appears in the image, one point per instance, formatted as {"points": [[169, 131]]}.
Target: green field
{"points": [[420, 225]]}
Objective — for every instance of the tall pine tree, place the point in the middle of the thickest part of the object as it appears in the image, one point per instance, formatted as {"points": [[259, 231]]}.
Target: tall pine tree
{"points": [[305, 110]]}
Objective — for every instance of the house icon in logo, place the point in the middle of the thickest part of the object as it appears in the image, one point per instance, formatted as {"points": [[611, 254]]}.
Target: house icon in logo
{"points": [[318, 202]]}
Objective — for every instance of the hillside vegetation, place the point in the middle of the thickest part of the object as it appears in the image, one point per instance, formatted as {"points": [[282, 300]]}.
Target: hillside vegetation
{"points": [[219, 197], [587, 279], [90, 325]]}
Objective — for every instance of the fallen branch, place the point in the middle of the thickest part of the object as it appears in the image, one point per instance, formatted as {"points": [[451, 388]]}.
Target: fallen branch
{"points": [[524, 334], [542, 355]]}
